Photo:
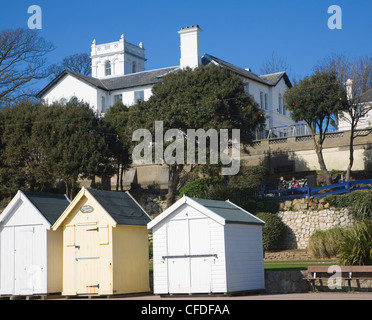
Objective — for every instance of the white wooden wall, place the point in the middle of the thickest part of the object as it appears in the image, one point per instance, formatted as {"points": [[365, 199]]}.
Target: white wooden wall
{"points": [[23, 265], [166, 241], [244, 257]]}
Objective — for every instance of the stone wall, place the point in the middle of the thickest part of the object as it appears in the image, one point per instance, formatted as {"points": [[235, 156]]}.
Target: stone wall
{"points": [[296, 153], [303, 216], [294, 282]]}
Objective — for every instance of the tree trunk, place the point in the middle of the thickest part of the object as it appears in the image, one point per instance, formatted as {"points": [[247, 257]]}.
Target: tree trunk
{"points": [[118, 176], [121, 177], [323, 168], [351, 156], [174, 179]]}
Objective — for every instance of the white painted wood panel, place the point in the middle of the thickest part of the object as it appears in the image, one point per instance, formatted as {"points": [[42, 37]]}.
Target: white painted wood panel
{"points": [[160, 268], [30, 268], [7, 260], [244, 256]]}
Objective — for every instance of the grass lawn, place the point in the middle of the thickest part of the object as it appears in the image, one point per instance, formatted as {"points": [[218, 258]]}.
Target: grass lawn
{"points": [[297, 264]]}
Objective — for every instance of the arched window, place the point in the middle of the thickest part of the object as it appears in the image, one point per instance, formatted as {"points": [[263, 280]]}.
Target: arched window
{"points": [[107, 68]]}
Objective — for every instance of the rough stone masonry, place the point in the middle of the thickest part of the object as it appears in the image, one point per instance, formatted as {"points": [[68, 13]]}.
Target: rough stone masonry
{"points": [[303, 216]]}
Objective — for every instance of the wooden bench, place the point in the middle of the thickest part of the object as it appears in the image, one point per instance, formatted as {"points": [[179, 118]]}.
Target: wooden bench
{"points": [[348, 273]]}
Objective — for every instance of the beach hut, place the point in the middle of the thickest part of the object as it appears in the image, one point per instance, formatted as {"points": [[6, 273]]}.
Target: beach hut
{"points": [[207, 246], [30, 252], [105, 244]]}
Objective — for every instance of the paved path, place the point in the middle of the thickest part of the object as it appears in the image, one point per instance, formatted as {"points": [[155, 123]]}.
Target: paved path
{"points": [[289, 296]]}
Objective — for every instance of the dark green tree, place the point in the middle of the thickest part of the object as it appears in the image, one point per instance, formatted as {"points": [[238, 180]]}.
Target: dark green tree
{"points": [[116, 121], [16, 130], [69, 137], [317, 100], [41, 145], [207, 97]]}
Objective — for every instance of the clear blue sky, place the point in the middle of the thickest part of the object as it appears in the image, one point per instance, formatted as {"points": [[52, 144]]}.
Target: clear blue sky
{"points": [[240, 32]]}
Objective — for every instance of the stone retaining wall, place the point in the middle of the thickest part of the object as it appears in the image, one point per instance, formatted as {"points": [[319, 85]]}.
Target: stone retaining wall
{"points": [[294, 282], [297, 254], [303, 216]]}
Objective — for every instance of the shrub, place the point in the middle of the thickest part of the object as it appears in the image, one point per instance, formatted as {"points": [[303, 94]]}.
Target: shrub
{"points": [[325, 243], [199, 187], [356, 245], [249, 177], [274, 232], [358, 202]]}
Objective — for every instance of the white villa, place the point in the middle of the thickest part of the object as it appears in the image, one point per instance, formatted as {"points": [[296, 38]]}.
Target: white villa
{"points": [[364, 102], [118, 73]]}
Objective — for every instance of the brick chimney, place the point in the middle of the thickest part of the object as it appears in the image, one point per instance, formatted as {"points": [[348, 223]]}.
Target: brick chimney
{"points": [[190, 47]]}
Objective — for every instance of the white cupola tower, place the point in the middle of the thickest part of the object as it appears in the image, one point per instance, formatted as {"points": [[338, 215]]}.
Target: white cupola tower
{"points": [[116, 58], [190, 47]]}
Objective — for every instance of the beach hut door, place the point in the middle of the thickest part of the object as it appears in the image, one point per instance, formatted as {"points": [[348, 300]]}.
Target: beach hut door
{"points": [[29, 269], [189, 258], [87, 259]]}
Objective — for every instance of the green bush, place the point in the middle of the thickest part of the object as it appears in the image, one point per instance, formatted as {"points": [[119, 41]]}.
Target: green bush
{"points": [[358, 202], [356, 245], [325, 243], [249, 177], [274, 232], [199, 187]]}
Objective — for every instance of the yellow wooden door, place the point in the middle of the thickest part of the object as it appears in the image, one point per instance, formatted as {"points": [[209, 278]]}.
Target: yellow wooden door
{"points": [[87, 259]]}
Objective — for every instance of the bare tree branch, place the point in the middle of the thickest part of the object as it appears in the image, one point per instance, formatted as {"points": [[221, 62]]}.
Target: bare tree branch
{"points": [[274, 64], [22, 59], [77, 62]]}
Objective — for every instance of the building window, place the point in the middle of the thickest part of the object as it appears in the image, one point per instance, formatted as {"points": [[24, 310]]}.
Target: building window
{"points": [[139, 96], [361, 111], [118, 97], [246, 88], [103, 104], [280, 103], [107, 68], [133, 66], [261, 100], [266, 102]]}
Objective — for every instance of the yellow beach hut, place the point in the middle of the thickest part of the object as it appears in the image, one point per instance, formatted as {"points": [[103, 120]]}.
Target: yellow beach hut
{"points": [[105, 244]]}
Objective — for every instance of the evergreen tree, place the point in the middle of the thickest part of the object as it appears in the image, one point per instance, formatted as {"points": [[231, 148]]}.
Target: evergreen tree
{"points": [[41, 145], [317, 100], [116, 120], [207, 97]]}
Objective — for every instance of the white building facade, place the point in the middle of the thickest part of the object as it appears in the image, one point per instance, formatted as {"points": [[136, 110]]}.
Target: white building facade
{"points": [[364, 103], [118, 73]]}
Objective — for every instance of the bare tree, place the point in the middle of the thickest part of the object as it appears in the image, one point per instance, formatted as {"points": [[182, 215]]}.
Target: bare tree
{"points": [[77, 62], [274, 64], [356, 75], [22, 60]]}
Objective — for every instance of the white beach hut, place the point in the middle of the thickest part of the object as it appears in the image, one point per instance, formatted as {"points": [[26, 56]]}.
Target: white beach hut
{"points": [[30, 252], [207, 246]]}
